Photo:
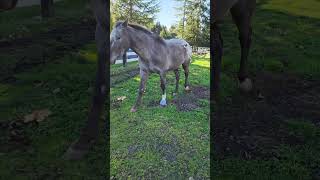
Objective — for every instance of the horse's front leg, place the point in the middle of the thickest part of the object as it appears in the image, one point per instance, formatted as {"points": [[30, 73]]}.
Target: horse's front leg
{"points": [[185, 67], [176, 72], [144, 76], [217, 55], [90, 133], [163, 101], [243, 21]]}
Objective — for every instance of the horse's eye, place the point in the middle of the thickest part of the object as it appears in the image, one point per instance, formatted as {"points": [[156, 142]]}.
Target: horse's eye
{"points": [[118, 38]]}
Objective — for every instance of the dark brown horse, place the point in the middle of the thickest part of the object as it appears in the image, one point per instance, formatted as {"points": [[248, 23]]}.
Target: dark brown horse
{"points": [[242, 12], [90, 132]]}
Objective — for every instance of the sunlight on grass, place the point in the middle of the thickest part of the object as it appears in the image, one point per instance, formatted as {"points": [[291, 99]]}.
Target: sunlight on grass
{"points": [[308, 8], [205, 64], [159, 141]]}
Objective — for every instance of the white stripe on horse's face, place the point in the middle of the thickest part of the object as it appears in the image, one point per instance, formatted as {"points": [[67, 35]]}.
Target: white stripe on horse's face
{"points": [[113, 35], [117, 44]]}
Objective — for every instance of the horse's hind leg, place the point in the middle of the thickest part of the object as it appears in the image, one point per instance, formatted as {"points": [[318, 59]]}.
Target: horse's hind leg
{"points": [[144, 76], [186, 75], [163, 101], [242, 15], [176, 72]]}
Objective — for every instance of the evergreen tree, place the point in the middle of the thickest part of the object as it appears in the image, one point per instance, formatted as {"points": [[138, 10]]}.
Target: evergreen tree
{"points": [[194, 24], [138, 11]]}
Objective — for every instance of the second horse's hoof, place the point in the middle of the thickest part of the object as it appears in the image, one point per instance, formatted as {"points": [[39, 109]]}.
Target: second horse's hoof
{"points": [[133, 109], [187, 88], [246, 85], [163, 102]]}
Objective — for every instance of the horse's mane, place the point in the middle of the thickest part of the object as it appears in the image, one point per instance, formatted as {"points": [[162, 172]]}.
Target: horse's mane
{"points": [[143, 29]]}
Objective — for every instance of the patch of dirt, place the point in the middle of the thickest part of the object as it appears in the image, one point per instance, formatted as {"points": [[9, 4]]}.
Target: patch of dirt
{"points": [[118, 78], [13, 136], [201, 92], [47, 46], [249, 127], [189, 101]]}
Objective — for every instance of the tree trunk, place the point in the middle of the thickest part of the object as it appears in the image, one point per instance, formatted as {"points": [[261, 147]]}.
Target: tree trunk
{"points": [[47, 9]]}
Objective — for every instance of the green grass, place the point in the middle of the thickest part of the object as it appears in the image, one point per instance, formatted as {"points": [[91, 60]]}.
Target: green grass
{"points": [[73, 75], [285, 40], [25, 21], [159, 142]]}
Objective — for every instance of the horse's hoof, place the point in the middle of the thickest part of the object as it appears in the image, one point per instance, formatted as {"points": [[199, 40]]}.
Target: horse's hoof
{"points": [[187, 88], [133, 109], [163, 102], [174, 94], [260, 96], [246, 85], [74, 153]]}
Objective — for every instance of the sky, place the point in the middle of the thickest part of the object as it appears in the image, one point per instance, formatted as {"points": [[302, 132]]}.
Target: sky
{"points": [[168, 13]]}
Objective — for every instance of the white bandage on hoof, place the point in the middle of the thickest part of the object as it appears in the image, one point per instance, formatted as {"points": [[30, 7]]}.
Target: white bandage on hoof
{"points": [[163, 101], [246, 85]]}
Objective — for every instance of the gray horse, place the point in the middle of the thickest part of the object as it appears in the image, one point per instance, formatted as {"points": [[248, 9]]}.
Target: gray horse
{"points": [[156, 55], [242, 12]]}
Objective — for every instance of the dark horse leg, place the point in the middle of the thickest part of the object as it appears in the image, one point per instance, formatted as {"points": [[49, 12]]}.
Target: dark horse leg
{"points": [[217, 55], [144, 76], [163, 101], [185, 67], [176, 72], [91, 131], [124, 58], [242, 15]]}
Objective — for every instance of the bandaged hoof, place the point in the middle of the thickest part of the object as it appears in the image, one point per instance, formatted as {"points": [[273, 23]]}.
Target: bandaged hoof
{"points": [[174, 94], [163, 102], [133, 109], [246, 85], [187, 88]]}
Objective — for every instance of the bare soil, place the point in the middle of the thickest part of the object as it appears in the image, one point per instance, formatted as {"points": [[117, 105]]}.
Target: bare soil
{"points": [[47, 46], [250, 126]]}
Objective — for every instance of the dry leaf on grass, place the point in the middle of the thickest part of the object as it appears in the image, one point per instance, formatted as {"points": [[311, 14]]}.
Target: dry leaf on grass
{"points": [[37, 115], [121, 98]]}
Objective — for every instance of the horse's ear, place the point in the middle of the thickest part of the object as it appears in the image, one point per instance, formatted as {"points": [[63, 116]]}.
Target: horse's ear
{"points": [[125, 23]]}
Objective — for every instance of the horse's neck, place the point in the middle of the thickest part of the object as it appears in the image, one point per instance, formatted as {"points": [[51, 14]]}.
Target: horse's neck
{"points": [[140, 43]]}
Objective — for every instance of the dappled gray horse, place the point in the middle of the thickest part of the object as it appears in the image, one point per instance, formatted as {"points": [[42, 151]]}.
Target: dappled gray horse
{"points": [[242, 12], [155, 55], [90, 132]]}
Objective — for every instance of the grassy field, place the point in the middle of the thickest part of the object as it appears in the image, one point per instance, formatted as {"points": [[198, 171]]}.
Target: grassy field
{"points": [[34, 150], [277, 137], [61, 85], [155, 142]]}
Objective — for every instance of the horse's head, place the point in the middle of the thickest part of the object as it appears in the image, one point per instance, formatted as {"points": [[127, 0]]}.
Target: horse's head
{"points": [[119, 40]]}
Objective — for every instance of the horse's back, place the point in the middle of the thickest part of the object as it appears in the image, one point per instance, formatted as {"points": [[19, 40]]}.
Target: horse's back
{"points": [[180, 48]]}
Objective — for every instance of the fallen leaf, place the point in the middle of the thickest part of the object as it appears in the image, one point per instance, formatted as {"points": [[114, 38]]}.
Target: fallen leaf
{"points": [[121, 98], [55, 91], [37, 115]]}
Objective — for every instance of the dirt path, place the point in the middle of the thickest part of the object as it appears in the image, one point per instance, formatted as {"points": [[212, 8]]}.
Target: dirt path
{"points": [[251, 127], [44, 47]]}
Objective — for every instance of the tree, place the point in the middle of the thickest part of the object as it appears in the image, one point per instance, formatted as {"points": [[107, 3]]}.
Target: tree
{"points": [[194, 24], [138, 11], [157, 28], [47, 9]]}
